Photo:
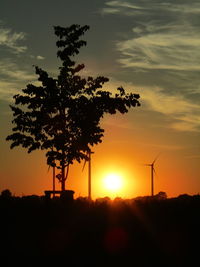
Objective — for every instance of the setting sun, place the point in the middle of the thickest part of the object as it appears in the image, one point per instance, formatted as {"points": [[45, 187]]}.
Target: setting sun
{"points": [[113, 182]]}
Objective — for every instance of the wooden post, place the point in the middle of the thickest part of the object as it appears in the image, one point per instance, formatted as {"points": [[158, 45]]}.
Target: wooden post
{"points": [[63, 179], [54, 180]]}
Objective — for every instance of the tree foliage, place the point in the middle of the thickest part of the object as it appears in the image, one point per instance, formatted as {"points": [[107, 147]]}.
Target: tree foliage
{"points": [[62, 115]]}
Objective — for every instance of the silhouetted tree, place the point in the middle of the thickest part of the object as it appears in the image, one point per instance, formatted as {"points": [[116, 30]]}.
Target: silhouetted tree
{"points": [[6, 194], [161, 195], [63, 114]]}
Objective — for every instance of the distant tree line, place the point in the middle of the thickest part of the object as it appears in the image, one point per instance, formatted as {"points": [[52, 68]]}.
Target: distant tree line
{"points": [[146, 231]]}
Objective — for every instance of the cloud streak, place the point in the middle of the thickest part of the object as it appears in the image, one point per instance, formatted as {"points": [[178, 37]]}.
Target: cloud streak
{"points": [[120, 7], [162, 51], [165, 35], [12, 72], [11, 40], [163, 40], [129, 9], [13, 78], [183, 114], [171, 42]]}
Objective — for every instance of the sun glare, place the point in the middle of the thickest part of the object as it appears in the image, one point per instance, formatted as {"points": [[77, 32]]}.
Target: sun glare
{"points": [[113, 182]]}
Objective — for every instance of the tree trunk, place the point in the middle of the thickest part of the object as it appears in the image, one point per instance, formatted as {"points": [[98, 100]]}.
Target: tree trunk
{"points": [[63, 122]]}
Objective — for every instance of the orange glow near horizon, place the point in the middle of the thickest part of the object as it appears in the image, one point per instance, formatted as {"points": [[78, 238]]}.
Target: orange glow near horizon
{"points": [[121, 154]]}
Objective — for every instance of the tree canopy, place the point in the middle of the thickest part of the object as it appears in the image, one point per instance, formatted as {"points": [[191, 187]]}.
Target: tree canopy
{"points": [[62, 115]]}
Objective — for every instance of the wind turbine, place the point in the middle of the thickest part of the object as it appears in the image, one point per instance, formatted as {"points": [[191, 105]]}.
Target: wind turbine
{"points": [[152, 174], [89, 173]]}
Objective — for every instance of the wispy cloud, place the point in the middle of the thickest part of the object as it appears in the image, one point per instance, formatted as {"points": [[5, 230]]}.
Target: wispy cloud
{"points": [[123, 4], [175, 48], [128, 8], [11, 40], [13, 78], [7, 90], [162, 147], [183, 114], [11, 71], [188, 122], [193, 157], [159, 101], [120, 7], [192, 7], [164, 41], [40, 57], [37, 57], [14, 74], [170, 41]]}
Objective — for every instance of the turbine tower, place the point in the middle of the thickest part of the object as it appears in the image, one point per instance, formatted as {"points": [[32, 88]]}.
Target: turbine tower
{"points": [[89, 174], [152, 174]]}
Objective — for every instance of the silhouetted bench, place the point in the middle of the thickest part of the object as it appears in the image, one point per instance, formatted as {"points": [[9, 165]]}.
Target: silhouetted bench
{"points": [[67, 194]]}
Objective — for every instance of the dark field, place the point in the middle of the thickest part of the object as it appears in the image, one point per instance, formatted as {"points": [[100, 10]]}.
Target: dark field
{"points": [[138, 232]]}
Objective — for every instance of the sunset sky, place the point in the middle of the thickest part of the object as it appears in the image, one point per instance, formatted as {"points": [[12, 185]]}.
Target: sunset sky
{"points": [[148, 47]]}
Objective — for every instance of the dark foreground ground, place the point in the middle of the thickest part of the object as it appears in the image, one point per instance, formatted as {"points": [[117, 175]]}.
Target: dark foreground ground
{"points": [[139, 232]]}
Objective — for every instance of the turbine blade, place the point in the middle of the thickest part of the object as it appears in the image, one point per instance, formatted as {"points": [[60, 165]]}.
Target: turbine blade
{"points": [[156, 158], [84, 165], [48, 168], [155, 172], [85, 161]]}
